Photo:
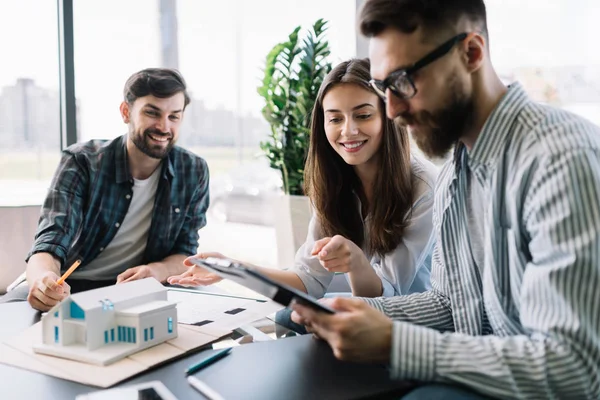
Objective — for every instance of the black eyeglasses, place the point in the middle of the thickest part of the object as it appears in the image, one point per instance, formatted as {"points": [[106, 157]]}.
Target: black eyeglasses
{"points": [[400, 81]]}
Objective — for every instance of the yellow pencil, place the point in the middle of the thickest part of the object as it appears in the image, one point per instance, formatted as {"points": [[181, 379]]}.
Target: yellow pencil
{"points": [[69, 272]]}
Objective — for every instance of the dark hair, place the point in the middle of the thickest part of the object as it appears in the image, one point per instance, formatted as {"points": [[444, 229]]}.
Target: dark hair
{"points": [[158, 82], [331, 183], [408, 15]]}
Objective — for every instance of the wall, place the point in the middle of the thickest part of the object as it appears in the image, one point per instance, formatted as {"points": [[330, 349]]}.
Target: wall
{"points": [[159, 322]]}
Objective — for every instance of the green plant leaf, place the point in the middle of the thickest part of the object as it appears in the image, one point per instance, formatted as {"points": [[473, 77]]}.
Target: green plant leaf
{"points": [[294, 70]]}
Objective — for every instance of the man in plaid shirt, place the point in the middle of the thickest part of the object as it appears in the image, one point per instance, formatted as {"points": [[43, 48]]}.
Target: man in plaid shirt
{"points": [[129, 208]]}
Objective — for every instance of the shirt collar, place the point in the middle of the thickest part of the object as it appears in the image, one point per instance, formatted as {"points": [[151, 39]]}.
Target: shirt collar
{"points": [[122, 173], [168, 171], [496, 131]]}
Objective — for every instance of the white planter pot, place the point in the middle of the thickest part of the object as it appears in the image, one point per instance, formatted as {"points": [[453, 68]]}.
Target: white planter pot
{"points": [[292, 216]]}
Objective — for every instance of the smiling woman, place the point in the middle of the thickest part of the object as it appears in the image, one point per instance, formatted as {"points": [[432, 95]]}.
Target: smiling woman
{"points": [[360, 156], [372, 199], [353, 125]]}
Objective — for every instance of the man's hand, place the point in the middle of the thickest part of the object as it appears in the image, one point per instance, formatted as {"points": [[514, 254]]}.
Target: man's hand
{"points": [[357, 332], [196, 275], [139, 272], [338, 254], [45, 293]]}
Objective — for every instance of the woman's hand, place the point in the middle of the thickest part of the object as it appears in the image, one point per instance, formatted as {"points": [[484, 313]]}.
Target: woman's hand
{"points": [[196, 275], [338, 254]]}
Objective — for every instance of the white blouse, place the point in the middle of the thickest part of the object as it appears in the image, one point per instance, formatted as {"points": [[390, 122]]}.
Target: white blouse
{"points": [[402, 271]]}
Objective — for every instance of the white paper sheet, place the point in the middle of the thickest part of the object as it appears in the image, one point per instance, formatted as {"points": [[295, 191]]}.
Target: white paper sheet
{"points": [[220, 312]]}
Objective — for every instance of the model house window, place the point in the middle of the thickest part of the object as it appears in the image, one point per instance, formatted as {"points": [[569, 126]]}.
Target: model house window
{"points": [[131, 335], [112, 334], [126, 334], [151, 333], [56, 314], [105, 336], [76, 311], [56, 334], [146, 335], [170, 324]]}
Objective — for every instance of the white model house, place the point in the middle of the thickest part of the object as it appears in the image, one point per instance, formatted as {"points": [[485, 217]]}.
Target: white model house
{"points": [[104, 325]]}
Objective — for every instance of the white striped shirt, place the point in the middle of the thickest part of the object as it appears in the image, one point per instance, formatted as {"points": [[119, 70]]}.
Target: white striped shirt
{"points": [[528, 325]]}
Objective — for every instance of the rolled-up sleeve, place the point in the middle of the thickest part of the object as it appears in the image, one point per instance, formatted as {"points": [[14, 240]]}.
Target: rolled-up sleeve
{"points": [[62, 212], [316, 279]]}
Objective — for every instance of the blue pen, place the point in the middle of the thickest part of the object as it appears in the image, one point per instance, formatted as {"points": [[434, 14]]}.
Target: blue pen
{"points": [[207, 361]]}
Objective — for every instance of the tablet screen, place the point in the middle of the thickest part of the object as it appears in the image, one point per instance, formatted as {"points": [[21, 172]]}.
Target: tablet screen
{"points": [[279, 292]]}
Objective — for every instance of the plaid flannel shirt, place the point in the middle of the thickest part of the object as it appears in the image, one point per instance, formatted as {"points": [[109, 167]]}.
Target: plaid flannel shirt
{"points": [[89, 197]]}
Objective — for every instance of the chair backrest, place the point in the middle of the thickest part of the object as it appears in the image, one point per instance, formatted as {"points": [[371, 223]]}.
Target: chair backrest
{"points": [[17, 232]]}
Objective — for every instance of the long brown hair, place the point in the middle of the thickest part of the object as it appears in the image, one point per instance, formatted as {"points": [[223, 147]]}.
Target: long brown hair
{"points": [[331, 183]]}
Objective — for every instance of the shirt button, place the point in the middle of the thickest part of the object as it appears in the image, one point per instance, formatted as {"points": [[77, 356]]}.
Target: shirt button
{"points": [[101, 248], [128, 196], [117, 224], [177, 210]]}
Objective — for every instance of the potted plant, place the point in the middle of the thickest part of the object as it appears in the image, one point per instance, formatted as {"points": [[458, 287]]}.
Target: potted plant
{"points": [[293, 73]]}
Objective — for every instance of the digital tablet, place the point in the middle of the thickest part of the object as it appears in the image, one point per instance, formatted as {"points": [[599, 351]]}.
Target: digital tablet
{"points": [[247, 277]]}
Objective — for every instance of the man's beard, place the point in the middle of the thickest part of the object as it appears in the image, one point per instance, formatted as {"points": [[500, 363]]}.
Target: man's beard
{"points": [[143, 142], [437, 133]]}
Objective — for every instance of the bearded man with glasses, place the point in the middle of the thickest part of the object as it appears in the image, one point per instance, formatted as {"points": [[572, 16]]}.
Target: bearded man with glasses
{"points": [[514, 310]]}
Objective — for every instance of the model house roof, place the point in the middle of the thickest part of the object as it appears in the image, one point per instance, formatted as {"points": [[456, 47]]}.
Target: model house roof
{"points": [[148, 307], [92, 299]]}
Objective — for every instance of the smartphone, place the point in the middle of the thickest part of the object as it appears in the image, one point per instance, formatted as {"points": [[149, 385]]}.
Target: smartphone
{"points": [[153, 390]]}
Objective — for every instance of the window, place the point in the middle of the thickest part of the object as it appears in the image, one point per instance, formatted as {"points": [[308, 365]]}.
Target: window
{"points": [[152, 333], [29, 100], [120, 334], [223, 123], [56, 334], [128, 46], [170, 325], [112, 334], [551, 59], [105, 336], [146, 335], [220, 49], [76, 311]]}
